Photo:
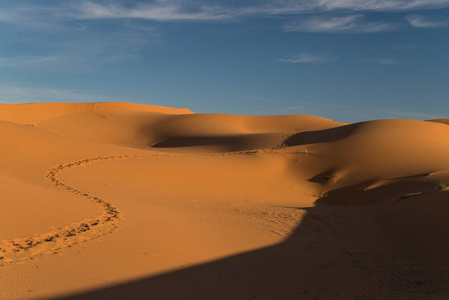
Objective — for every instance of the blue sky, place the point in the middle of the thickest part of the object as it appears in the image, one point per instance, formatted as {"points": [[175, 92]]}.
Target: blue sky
{"points": [[348, 60]]}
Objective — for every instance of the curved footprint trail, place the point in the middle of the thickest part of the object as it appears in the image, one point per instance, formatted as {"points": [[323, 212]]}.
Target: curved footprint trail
{"points": [[20, 249]]}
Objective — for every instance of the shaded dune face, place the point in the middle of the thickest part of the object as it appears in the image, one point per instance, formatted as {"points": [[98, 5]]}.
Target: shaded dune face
{"points": [[234, 132], [444, 121], [320, 136], [142, 129], [238, 142], [220, 206]]}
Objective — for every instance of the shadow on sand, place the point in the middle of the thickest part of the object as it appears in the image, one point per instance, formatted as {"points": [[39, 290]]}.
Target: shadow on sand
{"points": [[259, 140], [334, 253]]}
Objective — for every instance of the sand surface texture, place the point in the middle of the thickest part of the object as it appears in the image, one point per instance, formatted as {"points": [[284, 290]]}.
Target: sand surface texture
{"points": [[128, 201]]}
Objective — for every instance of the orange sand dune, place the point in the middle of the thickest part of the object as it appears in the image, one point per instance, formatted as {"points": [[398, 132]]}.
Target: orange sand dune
{"points": [[127, 201]]}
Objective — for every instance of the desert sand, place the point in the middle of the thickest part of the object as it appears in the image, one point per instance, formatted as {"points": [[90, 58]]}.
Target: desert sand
{"points": [[129, 201]]}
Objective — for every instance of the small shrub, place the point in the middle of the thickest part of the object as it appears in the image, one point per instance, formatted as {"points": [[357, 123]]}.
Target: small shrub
{"points": [[303, 151], [330, 179], [410, 195], [442, 185]]}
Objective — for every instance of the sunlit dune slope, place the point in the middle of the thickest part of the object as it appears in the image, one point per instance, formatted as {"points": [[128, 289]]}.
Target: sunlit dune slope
{"points": [[378, 150]]}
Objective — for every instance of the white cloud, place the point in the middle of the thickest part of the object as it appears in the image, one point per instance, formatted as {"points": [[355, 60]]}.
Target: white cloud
{"points": [[380, 61], [422, 22], [381, 5], [338, 24], [307, 58], [30, 62], [20, 94], [158, 11], [39, 17], [404, 46], [84, 51], [386, 61], [76, 63], [201, 10], [33, 17], [82, 27]]}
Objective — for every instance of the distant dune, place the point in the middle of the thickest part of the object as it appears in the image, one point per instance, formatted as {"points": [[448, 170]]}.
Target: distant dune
{"points": [[33, 113], [130, 201]]}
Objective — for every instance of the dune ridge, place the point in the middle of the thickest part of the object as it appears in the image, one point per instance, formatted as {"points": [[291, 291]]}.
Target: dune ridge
{"points": [[33, 113], [147, 198]]}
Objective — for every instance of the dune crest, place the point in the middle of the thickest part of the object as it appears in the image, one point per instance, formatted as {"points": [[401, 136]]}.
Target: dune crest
{"points": [[34, 113]]}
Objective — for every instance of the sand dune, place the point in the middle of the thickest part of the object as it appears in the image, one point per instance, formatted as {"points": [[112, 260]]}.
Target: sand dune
{"points": [[127, 201]]}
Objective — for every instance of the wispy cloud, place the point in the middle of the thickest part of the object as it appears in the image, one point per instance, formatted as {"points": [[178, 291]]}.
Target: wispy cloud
{"points": [[404, 46], [84, 51], [55, 17], [202, 10], [307, 58], [386, 61], [380, 61], [30, 62], [34, 17], [381, 5], [338, 24], [21, 94], [423, 22], [138, 26], [161, 10], [82, 27]]}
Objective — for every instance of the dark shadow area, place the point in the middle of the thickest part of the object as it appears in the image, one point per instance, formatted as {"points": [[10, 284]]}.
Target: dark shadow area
{"points": [[320, 136], [237, 142], [324, 177], [362, 194], [190, 141], [334, 253], [414, 176], [442, 121]]}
